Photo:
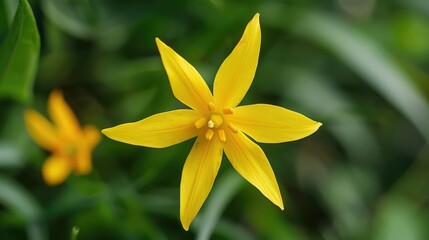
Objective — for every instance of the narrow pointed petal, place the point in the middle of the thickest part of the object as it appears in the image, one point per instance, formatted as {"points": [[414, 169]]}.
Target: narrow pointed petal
{"points": [[272, 124], [41, 130], [63, 116], [91, 135], [157, 131], [55, 170], [187, 84], [83, 164], [198, 176], [250, 162], [236, 73]]}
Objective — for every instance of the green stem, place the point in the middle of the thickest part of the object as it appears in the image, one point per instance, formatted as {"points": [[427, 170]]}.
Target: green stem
{"points": [[74, 233]]}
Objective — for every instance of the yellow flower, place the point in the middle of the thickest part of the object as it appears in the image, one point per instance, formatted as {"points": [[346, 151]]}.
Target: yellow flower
{"points": [[218, 123], [70, 145]]}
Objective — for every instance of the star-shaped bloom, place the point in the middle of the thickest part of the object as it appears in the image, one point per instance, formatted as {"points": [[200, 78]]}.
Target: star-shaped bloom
{"points": [[70, 145], [218, 123]]}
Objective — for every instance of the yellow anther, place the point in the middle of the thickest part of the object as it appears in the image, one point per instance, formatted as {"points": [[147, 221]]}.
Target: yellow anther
{"points": [[200, 122], [232, 127], [212, 106], [209, 134], [221, 134], [216, 119], [228, 111], [210, 124]]}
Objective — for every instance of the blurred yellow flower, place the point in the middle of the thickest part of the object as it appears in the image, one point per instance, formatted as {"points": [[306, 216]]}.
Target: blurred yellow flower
{"points": [[218, 124], [71, 145]]}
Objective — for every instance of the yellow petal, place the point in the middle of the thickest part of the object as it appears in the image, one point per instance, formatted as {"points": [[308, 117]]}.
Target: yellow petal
{"points": [[63, 116], [83, 164], [187, 84], [158, 131], [55, 170], [198, 175], [236, 73], [250, 162], [272, 124], [42, 131], [91, 135]]}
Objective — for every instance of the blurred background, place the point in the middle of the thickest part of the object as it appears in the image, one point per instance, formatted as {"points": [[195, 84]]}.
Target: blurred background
{"points": [[358, 66]]}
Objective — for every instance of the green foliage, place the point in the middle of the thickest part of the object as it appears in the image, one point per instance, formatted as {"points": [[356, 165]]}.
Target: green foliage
{"points": [[74, 233], [359, 67], [28, 211], [19, 55]]}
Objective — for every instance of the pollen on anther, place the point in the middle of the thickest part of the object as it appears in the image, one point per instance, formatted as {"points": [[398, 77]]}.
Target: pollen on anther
{"points": [[232, 127], [209, 134], [212, 106], [200, 123], [228, 111], [221, 134], [210, 124]]}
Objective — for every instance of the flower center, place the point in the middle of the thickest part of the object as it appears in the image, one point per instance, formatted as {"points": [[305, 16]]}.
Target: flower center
{"points": [[71, 149], [216, 120], [216, 123]]}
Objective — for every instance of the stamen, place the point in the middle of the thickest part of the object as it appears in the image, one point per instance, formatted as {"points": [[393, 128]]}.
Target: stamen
{"points": [[212, 106], [209, 134], [210, 124], [228, 111], [200, 122], [232, 127], [216, 119], [221, 134]]}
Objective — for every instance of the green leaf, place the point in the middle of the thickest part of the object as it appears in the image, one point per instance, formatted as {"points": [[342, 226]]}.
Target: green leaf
{"points": [[227, 187], [348, 127], [11, 157], [12, 195], [19, 55], [399, 218], [3, 20], [10, 7], [74, 233], [369, 60], [66, 15], [17, 199]]}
